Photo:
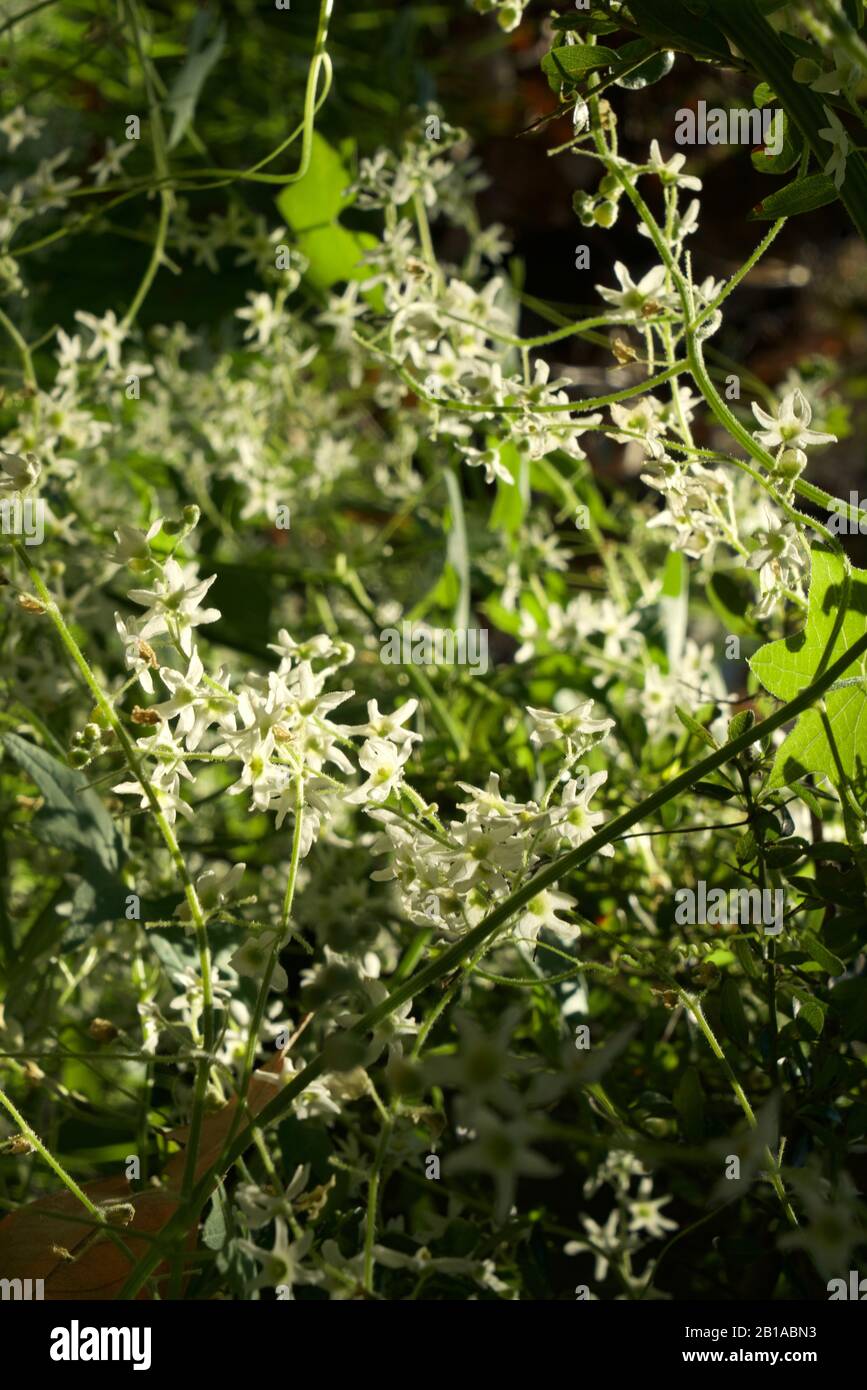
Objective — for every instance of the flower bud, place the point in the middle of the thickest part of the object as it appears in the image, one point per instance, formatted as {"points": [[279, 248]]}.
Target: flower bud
{"points": [[791, 463]]}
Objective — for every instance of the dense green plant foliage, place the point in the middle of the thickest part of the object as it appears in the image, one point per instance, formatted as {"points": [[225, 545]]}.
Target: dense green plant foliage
{"points": [[433, 723]]}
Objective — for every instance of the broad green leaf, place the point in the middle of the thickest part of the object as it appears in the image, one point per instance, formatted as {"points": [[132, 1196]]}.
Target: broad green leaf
{"points": [[819, 952], [804, 195], [743, 720], [790, 153], [810, 1020], [831, 738], [658, 64], [673, 25], [729, 596], [311, 208], [73, 817], [573, 60], [320, 197], [203, 53]]}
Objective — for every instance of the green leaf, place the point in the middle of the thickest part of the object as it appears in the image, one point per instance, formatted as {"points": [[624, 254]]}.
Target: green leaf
{"points": [[713, 791], [672, 25], [819, 952], [830, 739], [311, 208], [729, 597], [746, 959], [804, 195], [320, 197], [658, 65], [510, 506], [202, 55], [73, 817], [742, 721], [810, 1020], [786, 852], [574, 60], [790, 153], [214, 1228], [732, 1016], [695, 728], [594, 24], [849, 1002]]}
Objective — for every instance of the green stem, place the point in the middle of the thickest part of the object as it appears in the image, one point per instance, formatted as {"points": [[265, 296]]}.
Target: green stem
{"points": [[373, 1191], [694, 1007]]}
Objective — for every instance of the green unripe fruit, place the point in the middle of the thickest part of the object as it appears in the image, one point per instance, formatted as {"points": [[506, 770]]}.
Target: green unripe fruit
{"points": [[605, 215]]}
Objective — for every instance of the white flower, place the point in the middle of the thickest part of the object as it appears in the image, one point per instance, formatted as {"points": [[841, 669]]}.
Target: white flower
{"points": [[16, 473], [669, 172], [383, 761], [492, 243], [213, 890], [164, 777], [252, 958], [574, 728], [837, 136], [108, 335], [139, 657], [341, 314], [604, 1241], [542, 912], [502, 1149], [263, 315], [643, 419], [18, 127], [186, 693], [133, 545], [788, 428], [572, 822], [645, 1215], [111, 161], [282, 1265], [632, 298], [389, 726], [490, 460], [173, 604]]}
